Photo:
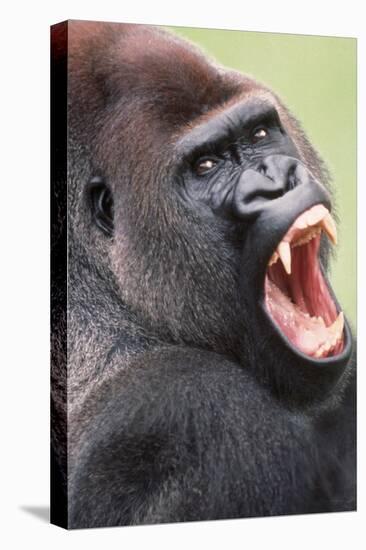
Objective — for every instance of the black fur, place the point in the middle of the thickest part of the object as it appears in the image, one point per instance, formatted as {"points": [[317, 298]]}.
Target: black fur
{"points": [[183, 403]]}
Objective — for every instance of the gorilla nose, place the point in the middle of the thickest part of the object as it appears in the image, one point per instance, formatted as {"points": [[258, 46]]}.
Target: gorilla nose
{"points": [[270, 179]]}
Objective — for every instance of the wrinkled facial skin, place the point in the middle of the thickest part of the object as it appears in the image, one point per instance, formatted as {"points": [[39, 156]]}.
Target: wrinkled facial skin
{"points": [[236, 145]]}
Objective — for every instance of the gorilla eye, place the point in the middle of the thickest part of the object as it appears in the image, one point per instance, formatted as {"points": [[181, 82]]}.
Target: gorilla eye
{"points": [[204, 166], [259, 134]]}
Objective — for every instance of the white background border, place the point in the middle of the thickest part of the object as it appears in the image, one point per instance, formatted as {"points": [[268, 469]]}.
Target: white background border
{"points": [[24, 288]]}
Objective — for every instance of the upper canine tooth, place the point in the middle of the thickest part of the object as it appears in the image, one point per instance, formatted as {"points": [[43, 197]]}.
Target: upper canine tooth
{"points": [[329, 227], [284, 252]]}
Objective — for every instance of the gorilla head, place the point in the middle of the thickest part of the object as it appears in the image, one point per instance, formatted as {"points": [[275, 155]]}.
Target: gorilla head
{"points": [[208, 203], [199, 221]]}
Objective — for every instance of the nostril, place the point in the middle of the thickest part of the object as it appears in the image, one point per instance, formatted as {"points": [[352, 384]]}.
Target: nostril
{"points": [[262, 169], [292, 179]]}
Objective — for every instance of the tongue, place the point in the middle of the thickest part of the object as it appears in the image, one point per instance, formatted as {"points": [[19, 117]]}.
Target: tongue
{"points": [[309, 334]]}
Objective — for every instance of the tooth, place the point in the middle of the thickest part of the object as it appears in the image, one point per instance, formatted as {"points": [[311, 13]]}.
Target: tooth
{"points": [[307, 237], [330, 228], [284, 252], [334, 335], [333, 342], [273, 259], [319, 352], [336, 328]]}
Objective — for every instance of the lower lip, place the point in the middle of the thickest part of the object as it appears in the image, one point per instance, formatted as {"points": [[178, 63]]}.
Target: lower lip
{"points": [[341, 358]]}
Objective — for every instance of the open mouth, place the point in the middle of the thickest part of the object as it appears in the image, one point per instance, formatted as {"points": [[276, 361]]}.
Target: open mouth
{"points": [[296, 294]]}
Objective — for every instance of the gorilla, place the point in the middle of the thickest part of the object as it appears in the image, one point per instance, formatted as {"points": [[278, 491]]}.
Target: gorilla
{"points": [[202, 367]]}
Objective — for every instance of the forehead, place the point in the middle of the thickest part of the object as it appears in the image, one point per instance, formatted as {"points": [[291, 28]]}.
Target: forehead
{"points": [[229, 121], [136, 64]]}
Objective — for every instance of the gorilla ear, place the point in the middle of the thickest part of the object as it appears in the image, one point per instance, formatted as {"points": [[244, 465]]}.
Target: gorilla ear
{"points": [[101, 203]]}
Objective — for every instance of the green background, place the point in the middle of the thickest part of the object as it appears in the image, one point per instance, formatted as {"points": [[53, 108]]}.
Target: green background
{"points": [[316, 78]]}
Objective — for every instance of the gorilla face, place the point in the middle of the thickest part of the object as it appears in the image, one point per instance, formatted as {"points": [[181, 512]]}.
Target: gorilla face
{"points": [[243, 166]]}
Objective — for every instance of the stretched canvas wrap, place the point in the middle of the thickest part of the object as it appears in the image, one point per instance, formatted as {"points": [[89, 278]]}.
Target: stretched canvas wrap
{"points": [[203, 274]]}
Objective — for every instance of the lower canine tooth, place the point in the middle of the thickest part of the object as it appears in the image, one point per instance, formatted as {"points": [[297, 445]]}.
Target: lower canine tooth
{"points": [[334, 335], [336, 328], [284, 252]]}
